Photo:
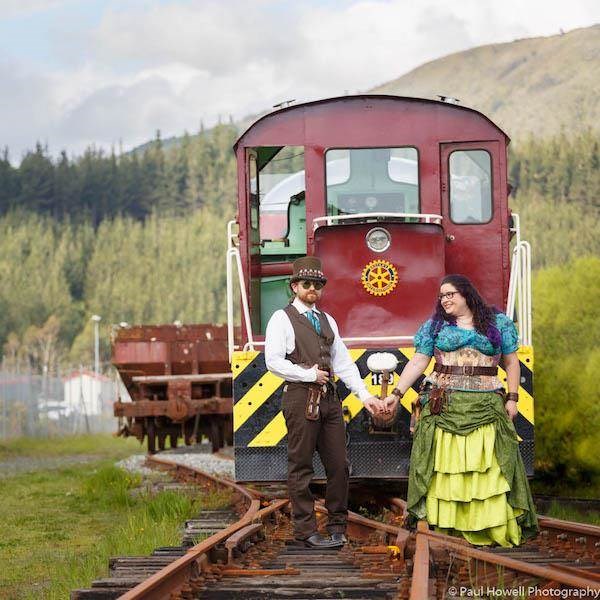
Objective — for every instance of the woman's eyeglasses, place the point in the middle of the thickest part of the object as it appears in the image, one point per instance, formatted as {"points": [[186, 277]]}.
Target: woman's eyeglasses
{"points": [[447, 296], [318, 285]]}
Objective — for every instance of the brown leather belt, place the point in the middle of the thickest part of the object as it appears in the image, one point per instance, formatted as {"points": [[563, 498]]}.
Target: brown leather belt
{"points": [[465, 370]]}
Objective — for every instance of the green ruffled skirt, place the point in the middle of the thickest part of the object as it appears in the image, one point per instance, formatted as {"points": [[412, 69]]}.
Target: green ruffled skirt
{"points": [[466, 473]]}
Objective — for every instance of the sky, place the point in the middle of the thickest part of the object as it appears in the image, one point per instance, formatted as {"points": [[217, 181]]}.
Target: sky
{"points": [[109, 73]]}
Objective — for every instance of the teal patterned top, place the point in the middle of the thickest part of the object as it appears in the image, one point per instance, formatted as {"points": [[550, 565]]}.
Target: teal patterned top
{"points": [[451, 337]]}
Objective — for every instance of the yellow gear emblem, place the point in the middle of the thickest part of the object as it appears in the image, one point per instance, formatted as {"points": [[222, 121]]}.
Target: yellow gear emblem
{"points": [[379, 277]]}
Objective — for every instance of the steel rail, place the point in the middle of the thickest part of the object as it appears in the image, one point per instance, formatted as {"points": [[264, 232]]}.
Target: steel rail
{"points": [[363, 522], [569, 526], [178, 573], [162, 584], [419, 585], [546, 573], [178, 467]]}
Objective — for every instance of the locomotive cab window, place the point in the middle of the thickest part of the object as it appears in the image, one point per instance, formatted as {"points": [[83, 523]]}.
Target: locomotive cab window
{"points": [[470, 186], [372, 180]]}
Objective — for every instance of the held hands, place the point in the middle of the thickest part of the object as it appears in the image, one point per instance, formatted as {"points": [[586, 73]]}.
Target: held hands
{"points": [[381, 407], [373, 405], [322, 376], [511, 409], [390, 403]]}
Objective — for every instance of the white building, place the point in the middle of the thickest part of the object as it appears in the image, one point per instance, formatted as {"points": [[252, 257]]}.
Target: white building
{"points": [[89, 394]]}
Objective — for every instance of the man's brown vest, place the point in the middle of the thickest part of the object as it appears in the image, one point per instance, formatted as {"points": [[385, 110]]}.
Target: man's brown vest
{"points": [[311, 348]]}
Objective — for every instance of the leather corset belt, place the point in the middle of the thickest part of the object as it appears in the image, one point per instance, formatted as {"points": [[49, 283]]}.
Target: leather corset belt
{"points": [[464, 370]]}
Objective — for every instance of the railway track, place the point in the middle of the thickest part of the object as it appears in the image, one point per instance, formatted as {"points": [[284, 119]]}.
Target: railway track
{"points": [[249, 552]]}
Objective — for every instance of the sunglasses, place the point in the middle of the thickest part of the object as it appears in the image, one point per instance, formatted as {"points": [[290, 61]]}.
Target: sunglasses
{"points": [[318, 285]]}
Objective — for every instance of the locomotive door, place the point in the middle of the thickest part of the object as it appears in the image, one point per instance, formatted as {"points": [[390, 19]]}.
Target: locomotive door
{"points": [[252, 186], [473, 193]]}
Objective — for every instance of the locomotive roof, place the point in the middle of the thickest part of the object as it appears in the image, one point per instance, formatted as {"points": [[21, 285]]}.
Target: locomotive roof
{"points": [[372, 97]]}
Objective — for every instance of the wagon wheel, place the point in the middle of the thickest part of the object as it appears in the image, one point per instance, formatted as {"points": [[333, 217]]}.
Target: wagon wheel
{"points": [[151, 433], [228, 432], [187, 434], [173, 438], [216, 434], [162, 437], [221, 433]]}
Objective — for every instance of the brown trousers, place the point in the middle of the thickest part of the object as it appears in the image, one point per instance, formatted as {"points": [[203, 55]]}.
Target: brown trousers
{"points": [[328, 437]]}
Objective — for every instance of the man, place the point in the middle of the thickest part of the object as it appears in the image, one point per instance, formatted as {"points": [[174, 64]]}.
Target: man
{"points": [[303, 346]]}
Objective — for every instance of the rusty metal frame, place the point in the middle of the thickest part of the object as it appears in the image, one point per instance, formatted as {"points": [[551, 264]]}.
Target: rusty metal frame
{"points": [[159, 408]]}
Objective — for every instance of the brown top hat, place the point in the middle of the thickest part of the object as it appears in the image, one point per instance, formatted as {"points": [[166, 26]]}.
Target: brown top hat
{"points": [[307, 268]]}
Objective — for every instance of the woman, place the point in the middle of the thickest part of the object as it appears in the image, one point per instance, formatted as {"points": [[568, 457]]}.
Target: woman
{"points": [[466, 473]]}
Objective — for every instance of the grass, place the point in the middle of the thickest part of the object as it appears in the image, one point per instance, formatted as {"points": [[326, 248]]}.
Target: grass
{"points": [[562, 486], [566, 513], [61, 526], [102, 445]]}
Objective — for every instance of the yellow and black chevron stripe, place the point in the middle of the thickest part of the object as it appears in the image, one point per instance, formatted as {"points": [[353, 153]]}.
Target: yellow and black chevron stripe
{"points": [[258, 420]]}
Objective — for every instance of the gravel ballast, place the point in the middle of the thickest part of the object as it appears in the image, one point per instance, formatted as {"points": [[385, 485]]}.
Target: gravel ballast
{"points": [[199, 457]]}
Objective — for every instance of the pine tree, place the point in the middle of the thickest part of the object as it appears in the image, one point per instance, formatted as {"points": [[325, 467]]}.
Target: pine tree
{"points": [[37, 182], [177, 174], [9, 183]]}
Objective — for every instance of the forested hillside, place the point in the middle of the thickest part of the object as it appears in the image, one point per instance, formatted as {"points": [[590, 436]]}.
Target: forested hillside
{"points": [[133, 238], [142, 239], [556, 191], [530, 86], [567, 358], [193, 174]]}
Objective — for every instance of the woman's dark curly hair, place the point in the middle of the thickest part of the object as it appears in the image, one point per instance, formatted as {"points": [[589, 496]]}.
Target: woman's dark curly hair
{"points": [[484, 316]]}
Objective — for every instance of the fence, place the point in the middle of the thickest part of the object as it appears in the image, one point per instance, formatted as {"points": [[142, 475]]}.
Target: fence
{"points": [[78, 401]]}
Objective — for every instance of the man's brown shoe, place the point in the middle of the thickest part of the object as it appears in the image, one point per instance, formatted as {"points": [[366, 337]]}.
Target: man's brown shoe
{"points": [[339, 538]]}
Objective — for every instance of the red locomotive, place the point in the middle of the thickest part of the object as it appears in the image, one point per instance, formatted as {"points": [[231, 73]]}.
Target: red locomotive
{"points": [[392, 194]]}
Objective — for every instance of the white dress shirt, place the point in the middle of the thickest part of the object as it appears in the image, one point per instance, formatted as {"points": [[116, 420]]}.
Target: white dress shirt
{"points": [[281, 341]]}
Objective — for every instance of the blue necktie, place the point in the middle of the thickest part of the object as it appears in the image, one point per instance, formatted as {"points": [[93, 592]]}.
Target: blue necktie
{"points": [[310, 315]]}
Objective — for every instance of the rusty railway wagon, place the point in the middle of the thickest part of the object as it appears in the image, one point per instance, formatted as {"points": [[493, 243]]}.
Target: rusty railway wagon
{"points": [[392, 194], [179, 382]]}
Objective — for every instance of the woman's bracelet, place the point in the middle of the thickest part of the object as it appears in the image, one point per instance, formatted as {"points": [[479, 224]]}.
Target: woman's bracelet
{"points": [[397, 393], [514, 396]]}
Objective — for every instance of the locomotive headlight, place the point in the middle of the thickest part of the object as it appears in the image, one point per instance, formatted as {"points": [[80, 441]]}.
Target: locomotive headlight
{"points": [[378, 239]]}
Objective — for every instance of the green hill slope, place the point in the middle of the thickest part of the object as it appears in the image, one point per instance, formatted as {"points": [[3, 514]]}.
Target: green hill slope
{"points": [[535, 85]]}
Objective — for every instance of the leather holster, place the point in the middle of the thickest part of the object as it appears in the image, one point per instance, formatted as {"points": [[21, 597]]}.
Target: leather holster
{"points": [[313, 401], [438, 400]]}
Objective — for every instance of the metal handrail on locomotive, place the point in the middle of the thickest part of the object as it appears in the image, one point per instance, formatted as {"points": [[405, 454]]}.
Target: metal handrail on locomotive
{"points": [[391, 194]]}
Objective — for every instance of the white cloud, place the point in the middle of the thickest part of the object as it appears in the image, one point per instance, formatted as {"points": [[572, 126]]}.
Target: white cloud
{"points": [[20, 8], [169, 65], [208, 34], [28, 109]]}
